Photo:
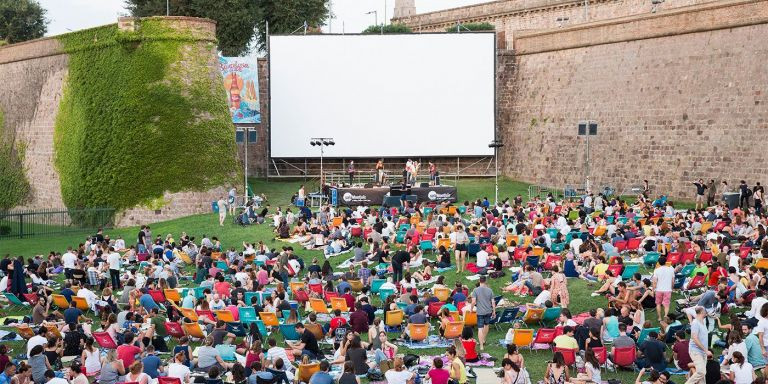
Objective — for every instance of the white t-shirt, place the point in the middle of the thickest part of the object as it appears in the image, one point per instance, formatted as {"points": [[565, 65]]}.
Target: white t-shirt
{"points": [[35, 341], [179, 371], [114, 261], [57, 380], [395, 377], [762, 327], [742, 374], [665, 278], [542, 297], [757, 304], [69, 259], [482, 259]]}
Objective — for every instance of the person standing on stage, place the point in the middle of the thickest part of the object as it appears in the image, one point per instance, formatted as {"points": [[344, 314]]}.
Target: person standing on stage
{"points": [[407, 171], [351, 171], [380, 172], [415, 173], [432, 173]]}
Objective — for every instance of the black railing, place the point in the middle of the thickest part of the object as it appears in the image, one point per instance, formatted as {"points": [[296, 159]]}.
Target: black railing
{"points": [[29, 223]]}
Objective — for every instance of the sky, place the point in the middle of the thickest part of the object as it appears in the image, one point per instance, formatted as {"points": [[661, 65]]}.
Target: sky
{"points": [[350, 15]]}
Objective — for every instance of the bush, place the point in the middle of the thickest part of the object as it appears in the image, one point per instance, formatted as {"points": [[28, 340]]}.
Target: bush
{"points": [[472, 27], [388, 29], [14, 186]]}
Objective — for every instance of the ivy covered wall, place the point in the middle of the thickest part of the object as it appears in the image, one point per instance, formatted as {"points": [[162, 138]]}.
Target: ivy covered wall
{"points": [[14, 186], [143, 113]]}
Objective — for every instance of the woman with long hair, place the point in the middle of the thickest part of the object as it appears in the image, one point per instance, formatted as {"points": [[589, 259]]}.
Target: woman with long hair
{"points": [[741, 372], [136, 373], [461, 242], [591, 369], [91, 357], [557, 371]]}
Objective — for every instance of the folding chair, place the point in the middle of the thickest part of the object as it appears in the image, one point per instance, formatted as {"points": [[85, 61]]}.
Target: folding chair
{"points": [[644, 334], [470, 319], [533, 315], [629, 271], [441, 293], [193, 330], [339, 303], [189, 313], [305, 371], [545, 336], [168, 380], [30, 298], [15, 301], [318, 305], [225, 315], [289, 332], [104, 340], [453, 329], [247, 315], [60, 301], [172, 295], [624, 356], [82, 304], [25, 331], [269, 319], [550, 315], [523, 338], [507, 316], [394, 319], [418, 332], [376, 285], [569, 355], [174, 329]]}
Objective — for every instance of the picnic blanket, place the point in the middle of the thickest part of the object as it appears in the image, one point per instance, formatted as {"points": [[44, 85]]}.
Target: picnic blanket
{"points": [[427, 282], [473, 277], [441, 270], [485, 361], [4, 333], [432, 341]]}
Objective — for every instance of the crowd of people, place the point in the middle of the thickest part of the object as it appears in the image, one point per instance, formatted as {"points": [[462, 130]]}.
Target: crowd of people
{"points": [[107, 310]]}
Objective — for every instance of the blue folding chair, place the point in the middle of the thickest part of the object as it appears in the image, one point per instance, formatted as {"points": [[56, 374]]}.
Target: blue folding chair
{"points": [[507, 316], [289, 332]]}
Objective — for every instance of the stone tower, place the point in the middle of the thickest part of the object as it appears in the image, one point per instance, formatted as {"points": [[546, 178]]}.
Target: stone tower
{"points": [[404, 9]]}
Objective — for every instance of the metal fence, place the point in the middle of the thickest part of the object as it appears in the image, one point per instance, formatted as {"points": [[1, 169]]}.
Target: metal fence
{"points": [[29, 223]]}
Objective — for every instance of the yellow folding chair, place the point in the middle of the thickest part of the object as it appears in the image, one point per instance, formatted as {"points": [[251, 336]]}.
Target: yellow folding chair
{"points": [[172, 295], [533, 315], [82, 304], [339, 303], [453, 329], [225, 316], [269, 319], [193, 330], [441, 293], [523, 337], [394, 318], [318, 305]]}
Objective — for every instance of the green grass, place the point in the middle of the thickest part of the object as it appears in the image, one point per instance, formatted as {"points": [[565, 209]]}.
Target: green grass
{"points": [[278, 194]]}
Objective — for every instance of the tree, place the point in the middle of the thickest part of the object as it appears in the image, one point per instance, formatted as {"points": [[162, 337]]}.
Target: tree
{"points": [[286, 16], [235, 19], [390, 28], [21, 20], [472, 27]]}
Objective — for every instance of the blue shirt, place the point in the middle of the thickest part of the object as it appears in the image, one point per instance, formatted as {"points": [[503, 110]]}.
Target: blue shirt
{"points": [[700, 331], [151, 365], [264, 375], [68, 293], [321, 378], [147, 302], [4, 379], [71, 315], [188, 302]]}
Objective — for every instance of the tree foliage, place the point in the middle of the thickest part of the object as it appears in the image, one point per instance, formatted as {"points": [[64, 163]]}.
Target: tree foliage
{"points": [[239, 21], [388, 29], [235, 19], [21, 20], [286, 16], [472, 27]]}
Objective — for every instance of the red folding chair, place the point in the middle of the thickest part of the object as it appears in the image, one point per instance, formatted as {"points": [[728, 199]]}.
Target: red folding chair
{"points": [[688, 257], [31, 298], [316, 288], [434, 308], [615, 269], [545, 336], [624, 356], [621, 245], [602, 354], [706, 256], [634, 243], [569, 355], [168, 380], [157, 295], [673, 258], [104, 340], [206, 313], [174, 329]]}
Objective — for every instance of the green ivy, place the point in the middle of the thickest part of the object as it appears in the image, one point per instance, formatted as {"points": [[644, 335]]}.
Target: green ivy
{"points": [[387, 29], [141, 114], [472, 27], [14, 186]]}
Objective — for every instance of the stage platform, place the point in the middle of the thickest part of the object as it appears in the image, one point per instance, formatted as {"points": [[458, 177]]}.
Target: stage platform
{"points": [[354, 196]]}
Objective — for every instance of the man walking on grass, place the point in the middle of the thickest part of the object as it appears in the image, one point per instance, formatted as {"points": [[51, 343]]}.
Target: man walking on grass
{"points": [[663, 280], [697, 347], [482, 298]]}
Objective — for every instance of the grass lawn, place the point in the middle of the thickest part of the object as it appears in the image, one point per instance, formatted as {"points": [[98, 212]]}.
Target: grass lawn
{"points": [[279, 193]]}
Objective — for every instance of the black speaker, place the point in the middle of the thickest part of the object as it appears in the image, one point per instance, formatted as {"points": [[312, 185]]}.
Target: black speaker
{"points": [[582, 129], [424, 185], [592, 129], [368, 185]]}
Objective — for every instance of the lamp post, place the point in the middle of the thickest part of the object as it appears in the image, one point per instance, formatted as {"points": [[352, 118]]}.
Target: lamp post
{"points": [[375, 16], [167, 7], [246, 132], [496, 144], [321, 142], [587, 128]]}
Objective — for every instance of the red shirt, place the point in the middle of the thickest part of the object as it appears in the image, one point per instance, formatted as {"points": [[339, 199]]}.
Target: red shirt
{"points": [[223, 288], [338, 322], [470, 350], [127, 354], [350, 300]]}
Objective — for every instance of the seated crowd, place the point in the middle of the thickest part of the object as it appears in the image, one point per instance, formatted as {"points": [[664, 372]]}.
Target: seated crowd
{"points": [[261, 315]]}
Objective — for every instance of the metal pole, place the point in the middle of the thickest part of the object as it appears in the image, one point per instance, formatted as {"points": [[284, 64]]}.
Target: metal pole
{"points": [[330, 16], [588, 188], [385, 12], [321, 166], [167, 7], [245, 186], [496, 159], [586, 11]]}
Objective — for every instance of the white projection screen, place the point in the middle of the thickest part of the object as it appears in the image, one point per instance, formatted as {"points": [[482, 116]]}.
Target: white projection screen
{"points": [[383, 95]]}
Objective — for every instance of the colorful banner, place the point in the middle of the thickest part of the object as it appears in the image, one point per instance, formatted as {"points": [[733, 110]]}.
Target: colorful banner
{"points": [[241, 81]]}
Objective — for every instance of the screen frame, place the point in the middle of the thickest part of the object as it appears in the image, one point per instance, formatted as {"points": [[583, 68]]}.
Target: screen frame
{"points": [[495, 93]]}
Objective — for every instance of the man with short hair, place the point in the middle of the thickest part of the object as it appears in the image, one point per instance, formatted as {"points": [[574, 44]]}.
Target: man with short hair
{"points": [[680, 354], [307, 344], [482, 299], [663, 281], [697, 347], [652, 350], [322, 376], [566, 340], [113, 259]]}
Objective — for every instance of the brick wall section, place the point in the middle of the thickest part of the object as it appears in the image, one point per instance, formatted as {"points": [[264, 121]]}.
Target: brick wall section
{"points": [[32, 77], [510, 16], [672, 108]]}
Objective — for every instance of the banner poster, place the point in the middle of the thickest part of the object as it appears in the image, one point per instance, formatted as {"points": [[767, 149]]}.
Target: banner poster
{"points": [[241, 81]]}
